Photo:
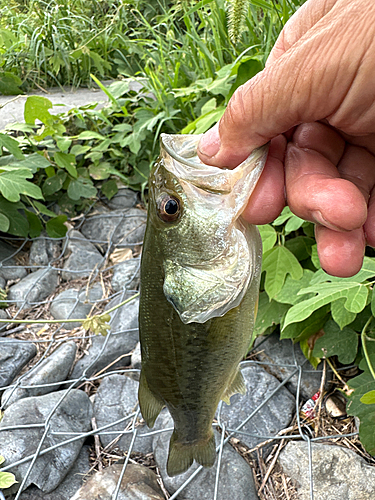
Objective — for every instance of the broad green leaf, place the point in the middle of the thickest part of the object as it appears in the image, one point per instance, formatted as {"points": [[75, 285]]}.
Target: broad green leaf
{"points": [[81, 188], [283, 217], [7, 479], [109, 188], [78, 149], [67, 162], [34, 162], [335, 342], [18, 223], [307, 351], [288, 293], [368, 398], [306, 328], [277, 263], [363, 384], [269, 236], [293, 224], [354, 293], [340, 314], [315, 257], [53, 184], [9, 83], [13, 183], [4, 223], [300, 246], [119, 88], [269, 314], [63, 143], [36, 108], [373, 303], [367, 271], [100, 172], [56, 227], [89, 134], [35, 226], [43, 210], [245, 71], [12, 146]]}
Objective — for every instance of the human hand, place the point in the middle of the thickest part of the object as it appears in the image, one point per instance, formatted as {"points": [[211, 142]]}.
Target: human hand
{"points": [[315, 101]]}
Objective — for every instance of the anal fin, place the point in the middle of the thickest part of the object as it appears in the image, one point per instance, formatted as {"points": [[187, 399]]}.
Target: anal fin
{"points": [[149, 404], [182, 454], [236, 386]]}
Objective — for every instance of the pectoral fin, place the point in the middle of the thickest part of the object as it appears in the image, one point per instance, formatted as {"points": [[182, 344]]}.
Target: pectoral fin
{"points": [[150, 405], [237, 386]]}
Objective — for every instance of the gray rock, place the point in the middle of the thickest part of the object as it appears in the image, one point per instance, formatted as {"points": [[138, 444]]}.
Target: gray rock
{"points": [[136, 359], [116, 398], [284, 352], [14, 355], [126, 275], [55, 368], [338, 473], [121, 227], [35, 287], [3, 315], [72, 303], [73, 414], [2, 283], [83, 257], [70, 485], [125, 198], [235, 480], [138, 483], [44, 250], [121, 339], [8, 266], [274, 416]]}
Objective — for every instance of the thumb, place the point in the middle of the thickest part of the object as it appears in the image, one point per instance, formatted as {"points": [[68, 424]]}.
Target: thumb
{"points": [[306, 83]]}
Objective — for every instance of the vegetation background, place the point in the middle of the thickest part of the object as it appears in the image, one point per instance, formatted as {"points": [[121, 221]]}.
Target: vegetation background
{"points": [[188, 58]]}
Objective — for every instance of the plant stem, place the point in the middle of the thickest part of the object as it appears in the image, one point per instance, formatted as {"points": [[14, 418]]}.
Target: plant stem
{"points": [[365, 351]]}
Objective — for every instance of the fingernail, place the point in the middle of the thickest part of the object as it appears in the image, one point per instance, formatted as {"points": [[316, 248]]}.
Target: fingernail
{"points": [[318, 217], [209, 144]]}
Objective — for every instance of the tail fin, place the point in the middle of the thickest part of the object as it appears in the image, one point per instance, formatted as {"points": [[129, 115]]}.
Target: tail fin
{"points": [[182, 455]]}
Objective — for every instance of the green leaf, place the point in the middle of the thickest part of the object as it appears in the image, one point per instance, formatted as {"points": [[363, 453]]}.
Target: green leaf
{"points": [[4, 223], [354, 293], [12, 146], [293, 224], [269, 236], [36, 108], [34, 162], [307, 351], [63, 143], [368, 398], [269, 314], [18, 224], [53, 184], [78, 149], [340, 314], [300, 246], [367, 271], [13, 183], [56, 227], [109, 189], [81, 188], [35, 226], [101, 171], [288, 293], [89, 134], [304, 329], [315, 257], [277, 263], [43, 210], [336, 342], [7, 479], [9, 83], [67, 162]]}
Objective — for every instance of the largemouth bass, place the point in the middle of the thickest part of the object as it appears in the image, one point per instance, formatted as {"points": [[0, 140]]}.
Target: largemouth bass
{"points": [[200, 274]]}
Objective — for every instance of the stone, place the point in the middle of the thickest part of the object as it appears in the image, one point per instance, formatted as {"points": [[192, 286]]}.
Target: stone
{"points": [[72, 303], [126, 275], [116, 398], [274, 416], [125, 198], [121, 340], [83, 257], [44, 250], [71, 414], [69, 486], [34, 288], [14, 355], [122, 228], [235, 479], [138, 483], [338, 473], [281, 352], [9, 270], [3, 315], [55, 368], [136, 359]]}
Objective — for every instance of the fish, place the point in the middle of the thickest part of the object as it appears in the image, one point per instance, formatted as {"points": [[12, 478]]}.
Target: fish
{"points": [[200, 272]]}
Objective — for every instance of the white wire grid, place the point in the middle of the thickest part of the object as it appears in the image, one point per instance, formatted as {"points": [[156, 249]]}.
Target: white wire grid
{"points": [[304, 432]]}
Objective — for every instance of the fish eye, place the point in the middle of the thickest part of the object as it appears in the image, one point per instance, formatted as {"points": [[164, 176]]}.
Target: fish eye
{"points": [[168, 208]]}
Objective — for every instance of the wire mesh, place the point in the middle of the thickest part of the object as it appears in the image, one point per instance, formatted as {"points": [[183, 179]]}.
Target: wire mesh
{"points": [[39, 310]]}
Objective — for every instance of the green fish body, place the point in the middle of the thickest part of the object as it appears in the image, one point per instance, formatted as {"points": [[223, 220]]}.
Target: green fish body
{"points": [[200, 275]]}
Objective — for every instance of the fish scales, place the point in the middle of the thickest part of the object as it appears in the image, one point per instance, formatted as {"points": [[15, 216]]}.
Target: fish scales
{"points": [[200, 274]]}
